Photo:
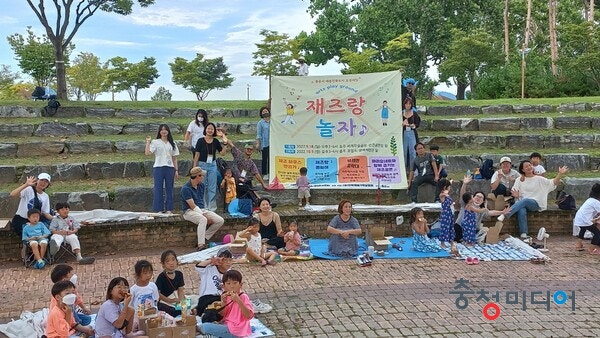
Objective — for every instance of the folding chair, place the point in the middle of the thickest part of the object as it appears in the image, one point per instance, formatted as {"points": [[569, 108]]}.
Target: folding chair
{"points": [[29, 258], [64, 250]]}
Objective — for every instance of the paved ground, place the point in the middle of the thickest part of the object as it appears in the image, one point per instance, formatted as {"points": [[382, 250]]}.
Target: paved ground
{"points": [[392, 298]]}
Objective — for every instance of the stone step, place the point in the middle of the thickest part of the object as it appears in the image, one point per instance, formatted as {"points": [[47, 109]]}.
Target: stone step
{"points": [[511, 123], [457, 166], [140, 198]]}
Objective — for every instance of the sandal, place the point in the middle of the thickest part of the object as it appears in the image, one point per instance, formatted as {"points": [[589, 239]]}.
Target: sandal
{"points": [[475, 261], [538, 260], [469, 261]]}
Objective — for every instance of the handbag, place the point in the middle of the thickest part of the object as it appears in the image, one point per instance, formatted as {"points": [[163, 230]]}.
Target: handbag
{"points": [[565, 201]]}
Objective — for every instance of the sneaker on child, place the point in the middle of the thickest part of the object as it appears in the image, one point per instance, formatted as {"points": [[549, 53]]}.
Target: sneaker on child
{"points": [[260, 307]]}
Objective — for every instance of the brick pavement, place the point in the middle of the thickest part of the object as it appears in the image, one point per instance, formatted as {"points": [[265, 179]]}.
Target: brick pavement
{"points": [[392, 298]]}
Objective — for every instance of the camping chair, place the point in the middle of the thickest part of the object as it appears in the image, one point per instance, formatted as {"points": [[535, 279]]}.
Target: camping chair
{"points": [[64, 250], [29, 258]]}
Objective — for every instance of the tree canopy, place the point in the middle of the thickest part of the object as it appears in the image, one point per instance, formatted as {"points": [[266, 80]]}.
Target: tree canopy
{"points": [[86, 77], [62, 23], [123, 75], [201, 76]]}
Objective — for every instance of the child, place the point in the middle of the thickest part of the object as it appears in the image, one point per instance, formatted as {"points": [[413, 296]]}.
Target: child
{"points": [[469, 222], [289, 113], [144, 292], [439, 160], [60, 319], [587, 218], [35, 234], [228, 183], [237, 310], [170, 284], [420, 230], [211, 272], [64, 228], [385, 112], [536, 160], [303, 188], [447, 216], [256, 250], [292, 241], [64, 272], [112, 320]]}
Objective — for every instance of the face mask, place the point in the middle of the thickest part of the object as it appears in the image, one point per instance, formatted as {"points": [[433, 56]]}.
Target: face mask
{"points": [[69, 299], [73, 279], [200, 118]]}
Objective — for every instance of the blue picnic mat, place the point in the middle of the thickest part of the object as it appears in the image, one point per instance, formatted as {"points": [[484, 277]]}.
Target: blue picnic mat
{"points": [[318, 247]]}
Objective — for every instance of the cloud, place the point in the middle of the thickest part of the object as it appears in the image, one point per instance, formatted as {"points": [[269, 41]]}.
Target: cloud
{"points": [[8, 20], [105, 42], [177, 17]]}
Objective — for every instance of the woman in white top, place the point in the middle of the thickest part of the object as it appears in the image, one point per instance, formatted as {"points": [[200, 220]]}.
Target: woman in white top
{"points": [[531, 192], [165, 167], [195, 129]]}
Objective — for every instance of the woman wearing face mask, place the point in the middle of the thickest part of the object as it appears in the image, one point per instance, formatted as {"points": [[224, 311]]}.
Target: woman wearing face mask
{"points": [[262, 139], [196, 129]]}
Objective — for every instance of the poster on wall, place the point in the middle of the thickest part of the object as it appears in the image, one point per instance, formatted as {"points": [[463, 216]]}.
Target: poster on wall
{"points": [[345, 129]]}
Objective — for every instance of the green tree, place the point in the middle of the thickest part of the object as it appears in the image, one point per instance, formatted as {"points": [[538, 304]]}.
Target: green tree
{"points": [[200, 76], [7, 83], [69, 16], [468, 57], [162, 94], [122, 75], [86, 76], [580, 51], [274, 55], [35, 56]]}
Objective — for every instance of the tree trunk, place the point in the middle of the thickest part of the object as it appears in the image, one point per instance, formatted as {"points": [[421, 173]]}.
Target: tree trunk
{"points": [[552, 33], [460, 90], [61, 75], [506, 36], [591, 17], [527, 25]]}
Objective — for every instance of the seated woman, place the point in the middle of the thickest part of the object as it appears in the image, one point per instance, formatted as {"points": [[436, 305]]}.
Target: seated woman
{"points": [[270, 224], [531, 194], [420, 230], [479, 201], [344, 229]]}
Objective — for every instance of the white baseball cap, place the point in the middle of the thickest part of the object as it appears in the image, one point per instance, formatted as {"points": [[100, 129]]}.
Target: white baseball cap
{"points": [[505, 159], [44, 176]]}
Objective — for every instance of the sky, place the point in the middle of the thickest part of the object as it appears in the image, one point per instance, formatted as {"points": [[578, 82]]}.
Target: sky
{"points": [[178, 28]]}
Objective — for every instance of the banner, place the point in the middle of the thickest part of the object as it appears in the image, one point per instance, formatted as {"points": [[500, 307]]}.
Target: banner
{"points": [[345, 129]]}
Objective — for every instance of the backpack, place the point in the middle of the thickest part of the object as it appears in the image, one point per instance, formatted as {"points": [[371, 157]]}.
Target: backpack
{"points": [[52, 108], [565, 201], [487, 169]]}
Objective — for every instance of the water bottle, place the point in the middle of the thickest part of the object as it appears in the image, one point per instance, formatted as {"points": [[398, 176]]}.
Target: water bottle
{"points": [[469, 172]]}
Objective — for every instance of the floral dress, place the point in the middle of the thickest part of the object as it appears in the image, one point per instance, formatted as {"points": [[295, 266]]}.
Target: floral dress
{"points": [[469, 227], [447, 221], [423, 243]]}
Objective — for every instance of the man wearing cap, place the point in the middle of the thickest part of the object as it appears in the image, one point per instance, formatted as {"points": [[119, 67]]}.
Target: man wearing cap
{"points": [[302, 67], [504, 178], [244, 169], [32, 195], [192, 206]]}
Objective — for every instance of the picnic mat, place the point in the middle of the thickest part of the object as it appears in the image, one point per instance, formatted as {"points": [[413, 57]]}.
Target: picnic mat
{"points": [[205, 254], [511, 249], [318, 247]]}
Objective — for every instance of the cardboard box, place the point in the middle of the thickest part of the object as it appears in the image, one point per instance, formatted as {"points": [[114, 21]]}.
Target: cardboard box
{"points": [[239, 245], [184, 329], [375, 237], [493, 233]]}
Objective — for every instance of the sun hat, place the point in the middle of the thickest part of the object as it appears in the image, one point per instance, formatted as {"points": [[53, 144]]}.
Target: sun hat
{"points": [[248, 146], [195, 171], [505, 159]]}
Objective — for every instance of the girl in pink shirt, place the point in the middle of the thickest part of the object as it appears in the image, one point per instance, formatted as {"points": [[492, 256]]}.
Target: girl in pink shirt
{"points": [[237, 310]]}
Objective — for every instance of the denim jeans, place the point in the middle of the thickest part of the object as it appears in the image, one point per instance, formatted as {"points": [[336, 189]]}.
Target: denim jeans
{"points": [[163, 176], [265, 161], [409, 140], [210, 194], [520, 208], [217, 330]]}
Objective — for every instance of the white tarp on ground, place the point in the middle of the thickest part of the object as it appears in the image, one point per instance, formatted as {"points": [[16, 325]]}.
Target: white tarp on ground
{"points": [[28, 325], [382, 208], [106, 215]]}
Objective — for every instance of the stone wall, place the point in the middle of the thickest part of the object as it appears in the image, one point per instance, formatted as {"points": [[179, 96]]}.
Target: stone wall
{"points": [[173, 231]]}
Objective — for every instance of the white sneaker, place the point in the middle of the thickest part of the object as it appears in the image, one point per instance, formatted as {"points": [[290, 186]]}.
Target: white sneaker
{"points": [[501, 218], [524, 235], [260, 307]]}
